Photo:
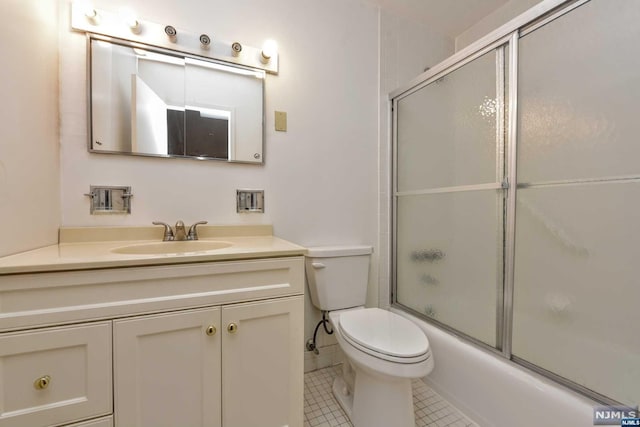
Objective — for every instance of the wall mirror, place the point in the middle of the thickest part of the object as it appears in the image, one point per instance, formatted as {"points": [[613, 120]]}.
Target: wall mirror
{"points": [[153, 102]]}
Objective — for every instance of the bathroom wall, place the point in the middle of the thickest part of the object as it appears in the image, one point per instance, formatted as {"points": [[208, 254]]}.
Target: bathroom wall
{"points": [[500, 16], [319, 177], [29, 174], [406, 49]]}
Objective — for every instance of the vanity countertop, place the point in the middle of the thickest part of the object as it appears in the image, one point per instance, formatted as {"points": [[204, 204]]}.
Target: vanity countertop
{"points": [[85, 248]]}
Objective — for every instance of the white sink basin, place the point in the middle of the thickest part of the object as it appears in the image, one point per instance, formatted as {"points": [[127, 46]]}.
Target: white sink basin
{"points": [[181, 247]]}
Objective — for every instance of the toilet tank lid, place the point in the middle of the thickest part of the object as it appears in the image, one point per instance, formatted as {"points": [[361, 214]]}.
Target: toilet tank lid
{"points": [[338, 251]]}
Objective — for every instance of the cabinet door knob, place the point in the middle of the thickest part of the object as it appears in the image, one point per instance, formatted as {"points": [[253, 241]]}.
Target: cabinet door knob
{"points": [[211, 330], [42, 382], [232, 328]]}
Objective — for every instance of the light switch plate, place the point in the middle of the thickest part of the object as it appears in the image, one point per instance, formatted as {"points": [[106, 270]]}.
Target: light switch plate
{"points": [[281, 121]]}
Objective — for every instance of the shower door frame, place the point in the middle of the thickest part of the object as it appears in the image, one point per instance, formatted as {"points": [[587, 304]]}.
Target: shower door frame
{"points": [[507, 35], [503, 174]]}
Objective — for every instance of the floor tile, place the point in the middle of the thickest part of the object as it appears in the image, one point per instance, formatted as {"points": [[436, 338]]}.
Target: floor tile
{"points": [[322, 410]]}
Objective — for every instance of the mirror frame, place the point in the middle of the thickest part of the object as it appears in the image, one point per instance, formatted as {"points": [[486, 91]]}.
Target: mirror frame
{"points": [[175, 53]]}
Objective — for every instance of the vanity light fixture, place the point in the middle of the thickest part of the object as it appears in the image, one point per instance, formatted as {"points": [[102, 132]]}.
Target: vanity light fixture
{"points": [[135, 27], [92, 15], [130, 19], [89, 11], [171, 32], [205, 41], [124, 24], [236, 48], [269, 49]]}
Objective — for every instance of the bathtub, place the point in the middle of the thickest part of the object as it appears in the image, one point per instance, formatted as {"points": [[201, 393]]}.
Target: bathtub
{"points": [[495, 392]]}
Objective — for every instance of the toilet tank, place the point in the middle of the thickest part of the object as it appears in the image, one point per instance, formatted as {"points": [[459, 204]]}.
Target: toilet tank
{"points": [[338, 276]]}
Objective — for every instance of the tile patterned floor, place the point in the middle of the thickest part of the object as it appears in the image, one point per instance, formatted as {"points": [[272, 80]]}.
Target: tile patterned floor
{"points": [[322, 410]]}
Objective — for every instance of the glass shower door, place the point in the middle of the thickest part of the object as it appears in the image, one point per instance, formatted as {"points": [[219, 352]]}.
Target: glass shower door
{"points": [[577, 269], [449, 202]]}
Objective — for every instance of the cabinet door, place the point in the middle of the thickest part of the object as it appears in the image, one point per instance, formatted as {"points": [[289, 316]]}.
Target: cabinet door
{"points": [[167, 370], [55, 376], [262, 376]]}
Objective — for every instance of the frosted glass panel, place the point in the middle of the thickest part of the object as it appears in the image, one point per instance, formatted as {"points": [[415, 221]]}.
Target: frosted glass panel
{"points": [[446, 131], [579, 89], [449, 258], [577, 284]]}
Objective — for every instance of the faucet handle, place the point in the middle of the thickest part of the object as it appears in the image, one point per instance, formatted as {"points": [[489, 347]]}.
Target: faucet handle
{"points": [[193, 233], [168, 232]]}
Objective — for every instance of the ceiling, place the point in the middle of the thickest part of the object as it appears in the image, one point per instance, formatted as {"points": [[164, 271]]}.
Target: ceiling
{"points": [[447, 17]]}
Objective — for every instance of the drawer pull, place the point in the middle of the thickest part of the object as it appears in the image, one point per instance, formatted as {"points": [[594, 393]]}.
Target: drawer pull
{"points": [[42, 382], [232, 328], [211, 330]]}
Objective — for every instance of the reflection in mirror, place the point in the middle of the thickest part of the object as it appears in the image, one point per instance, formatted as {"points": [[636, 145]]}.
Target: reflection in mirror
{"points": [[148, 102]]}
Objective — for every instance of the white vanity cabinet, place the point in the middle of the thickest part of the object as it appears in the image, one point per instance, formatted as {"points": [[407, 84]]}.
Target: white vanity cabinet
{"points": [[235, 365], [205, 344]]}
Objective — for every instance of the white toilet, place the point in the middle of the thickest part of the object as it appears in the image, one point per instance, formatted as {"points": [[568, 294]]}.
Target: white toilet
{"points": [[384, 350]]}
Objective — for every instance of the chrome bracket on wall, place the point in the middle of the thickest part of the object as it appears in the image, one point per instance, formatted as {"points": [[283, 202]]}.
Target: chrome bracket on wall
{"points": [[250, 201], [109, 200]]}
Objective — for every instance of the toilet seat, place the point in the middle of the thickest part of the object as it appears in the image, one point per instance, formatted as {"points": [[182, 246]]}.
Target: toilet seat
{"points": [[384, 335]]}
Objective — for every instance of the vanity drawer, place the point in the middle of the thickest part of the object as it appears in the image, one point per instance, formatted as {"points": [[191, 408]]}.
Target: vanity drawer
{"points": [[55, 376], [47, 299]]}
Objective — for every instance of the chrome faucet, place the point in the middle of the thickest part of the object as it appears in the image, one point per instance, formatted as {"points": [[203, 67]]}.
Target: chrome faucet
{"points": [[180, 234]]}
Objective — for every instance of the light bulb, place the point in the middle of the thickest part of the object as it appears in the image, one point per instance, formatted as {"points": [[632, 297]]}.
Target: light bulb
{"points": [[130, 19], [269, 49], [88, 10]]}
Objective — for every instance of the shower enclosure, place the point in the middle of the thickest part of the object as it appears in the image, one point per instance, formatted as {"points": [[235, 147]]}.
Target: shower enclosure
{"points": [[516, 182]]}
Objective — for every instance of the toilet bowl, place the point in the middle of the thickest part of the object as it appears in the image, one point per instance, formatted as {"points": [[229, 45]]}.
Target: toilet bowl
{"points": [[383, 350], [386, 352]]}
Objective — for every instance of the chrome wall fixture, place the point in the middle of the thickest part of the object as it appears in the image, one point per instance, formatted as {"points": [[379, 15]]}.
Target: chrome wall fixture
{"points": [[109, 199], [125, 25], [249, 201]]}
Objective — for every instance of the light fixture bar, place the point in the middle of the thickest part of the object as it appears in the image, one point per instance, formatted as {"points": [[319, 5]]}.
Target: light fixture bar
{"points": [[153, 34]]}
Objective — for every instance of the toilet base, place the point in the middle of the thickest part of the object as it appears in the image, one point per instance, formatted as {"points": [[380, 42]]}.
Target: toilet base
{"points": [[343, 396], [376, 401]]}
